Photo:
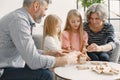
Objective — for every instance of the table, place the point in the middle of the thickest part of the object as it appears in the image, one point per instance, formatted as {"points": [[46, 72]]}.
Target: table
{"points": [[70, 72]]}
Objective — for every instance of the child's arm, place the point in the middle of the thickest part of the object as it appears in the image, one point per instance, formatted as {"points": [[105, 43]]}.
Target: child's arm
{"points": [[65, 41], [85, 52]]}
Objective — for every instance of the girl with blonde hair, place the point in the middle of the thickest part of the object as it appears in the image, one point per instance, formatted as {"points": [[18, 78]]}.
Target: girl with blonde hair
{"points": [[52, 33], [73, 36]]}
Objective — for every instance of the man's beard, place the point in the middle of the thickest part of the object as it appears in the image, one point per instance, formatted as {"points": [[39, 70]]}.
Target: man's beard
{"points": [[38, 18]]}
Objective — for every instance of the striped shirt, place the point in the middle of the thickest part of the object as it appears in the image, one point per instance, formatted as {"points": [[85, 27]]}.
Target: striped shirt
{"points": [[105, 36]]}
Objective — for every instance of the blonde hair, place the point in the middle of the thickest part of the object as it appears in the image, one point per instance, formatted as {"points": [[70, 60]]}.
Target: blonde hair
{"points": [[96, 8], [68, 28], [49, 29]]}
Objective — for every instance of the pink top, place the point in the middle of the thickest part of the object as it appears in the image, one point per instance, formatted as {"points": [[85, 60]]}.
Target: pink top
{"points": [[75, 44]]}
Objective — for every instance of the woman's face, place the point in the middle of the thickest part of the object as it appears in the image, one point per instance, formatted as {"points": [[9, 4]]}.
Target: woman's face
{"points": [[95, 20], [74, 22]]}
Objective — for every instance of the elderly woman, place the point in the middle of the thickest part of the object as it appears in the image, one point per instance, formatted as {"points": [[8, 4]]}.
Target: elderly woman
{"points": [[100, 33]]}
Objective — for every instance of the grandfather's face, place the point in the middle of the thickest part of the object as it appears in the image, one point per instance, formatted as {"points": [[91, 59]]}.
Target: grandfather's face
{"points": [[41, 12]]}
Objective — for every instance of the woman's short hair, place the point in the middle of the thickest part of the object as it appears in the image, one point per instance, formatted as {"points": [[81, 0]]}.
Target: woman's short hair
{"points": [[96, 8]]}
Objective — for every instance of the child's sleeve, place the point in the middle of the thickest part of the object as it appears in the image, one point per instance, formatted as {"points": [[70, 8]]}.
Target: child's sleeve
{"points": [[85, 38], [65, 40], [49, 44]]}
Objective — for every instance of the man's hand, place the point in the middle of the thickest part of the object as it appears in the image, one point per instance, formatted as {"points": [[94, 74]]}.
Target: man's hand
{"points": [[71, 58], [54, 53]]}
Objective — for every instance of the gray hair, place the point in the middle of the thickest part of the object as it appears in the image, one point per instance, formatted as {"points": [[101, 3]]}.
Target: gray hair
{"points": [[29, 2], [96, 8]]}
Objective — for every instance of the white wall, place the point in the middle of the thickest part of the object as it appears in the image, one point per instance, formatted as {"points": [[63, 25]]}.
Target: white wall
{"points": [[7, 6], [59, 7]]}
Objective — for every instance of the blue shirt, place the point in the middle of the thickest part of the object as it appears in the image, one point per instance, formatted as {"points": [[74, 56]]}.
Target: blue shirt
{"points": [[16, 44]]}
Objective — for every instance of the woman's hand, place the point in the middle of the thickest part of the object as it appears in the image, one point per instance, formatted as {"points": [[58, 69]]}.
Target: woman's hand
{"points": [[93, 48]]}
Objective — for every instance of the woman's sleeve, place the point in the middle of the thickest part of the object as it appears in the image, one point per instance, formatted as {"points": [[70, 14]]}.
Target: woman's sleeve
{"points": [[111, 35]]}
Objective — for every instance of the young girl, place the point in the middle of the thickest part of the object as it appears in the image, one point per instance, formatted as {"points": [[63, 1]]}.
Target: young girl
{"points": [[52, 37], [73, 36], [52, 33]]}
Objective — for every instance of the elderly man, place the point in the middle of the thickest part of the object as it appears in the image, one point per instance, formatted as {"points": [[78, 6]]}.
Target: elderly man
{"points": [[19, 58]]}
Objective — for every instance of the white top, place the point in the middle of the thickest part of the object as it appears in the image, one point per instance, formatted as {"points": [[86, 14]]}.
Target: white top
{"points": [[52, 43]]}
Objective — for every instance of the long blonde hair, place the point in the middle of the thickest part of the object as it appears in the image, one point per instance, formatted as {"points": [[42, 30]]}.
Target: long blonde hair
{"points": [[69, 28], [50, 25]]}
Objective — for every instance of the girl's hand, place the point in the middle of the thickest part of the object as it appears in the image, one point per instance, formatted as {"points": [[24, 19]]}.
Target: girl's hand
{"points": [[87, 57]]}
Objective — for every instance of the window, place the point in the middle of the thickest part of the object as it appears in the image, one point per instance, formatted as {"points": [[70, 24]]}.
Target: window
{"points": [[113, 7], [114, 13]]}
